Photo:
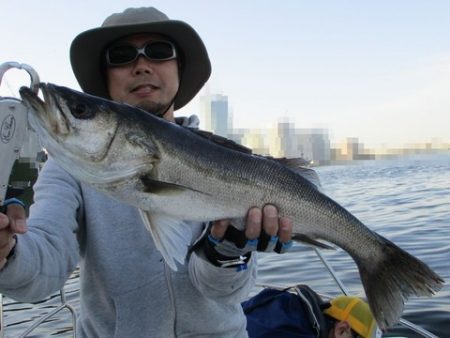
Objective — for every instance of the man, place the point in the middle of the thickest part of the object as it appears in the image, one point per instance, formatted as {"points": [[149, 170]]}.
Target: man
{"points": [[299, 312], [142, 58], [351, 317]]}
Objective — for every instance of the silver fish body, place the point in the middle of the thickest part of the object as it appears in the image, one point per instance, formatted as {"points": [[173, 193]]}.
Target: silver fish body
{"points": [[174, 175]]}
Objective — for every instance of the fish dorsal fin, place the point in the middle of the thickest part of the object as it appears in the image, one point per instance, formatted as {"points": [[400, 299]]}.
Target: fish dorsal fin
{"points": [[172, 236], [309, 174], [223, 141], [291, 163], [297, 165]]}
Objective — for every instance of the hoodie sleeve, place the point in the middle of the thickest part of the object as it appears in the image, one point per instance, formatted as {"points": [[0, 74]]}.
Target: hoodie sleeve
{"points": [[47, 253], [224, 285]]}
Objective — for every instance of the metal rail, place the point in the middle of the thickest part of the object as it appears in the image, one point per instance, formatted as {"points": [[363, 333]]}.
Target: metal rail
{"points": [[42, 319], [64, 305]]}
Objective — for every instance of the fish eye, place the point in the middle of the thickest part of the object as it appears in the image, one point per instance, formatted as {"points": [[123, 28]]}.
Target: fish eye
{"points": [[82, 111]]}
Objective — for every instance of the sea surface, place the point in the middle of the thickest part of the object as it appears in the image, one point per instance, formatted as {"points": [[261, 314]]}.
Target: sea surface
{"points": [[406, 199]]}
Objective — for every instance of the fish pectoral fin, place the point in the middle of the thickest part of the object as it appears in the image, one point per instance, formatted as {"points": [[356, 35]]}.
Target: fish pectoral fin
{"points": [[153, 186], [172, 236], [309, 241]]}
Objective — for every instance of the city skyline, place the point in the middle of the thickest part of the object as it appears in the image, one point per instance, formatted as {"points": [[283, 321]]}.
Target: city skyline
{"points": [[216, 117], [283, 139], [379, 71]]}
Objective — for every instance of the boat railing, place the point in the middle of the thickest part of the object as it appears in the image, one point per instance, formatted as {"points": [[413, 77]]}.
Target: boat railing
{"points": [[65, 305]]}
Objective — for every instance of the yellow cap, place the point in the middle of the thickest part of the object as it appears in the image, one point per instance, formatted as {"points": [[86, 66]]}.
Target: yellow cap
{"points": [[357, 313]]}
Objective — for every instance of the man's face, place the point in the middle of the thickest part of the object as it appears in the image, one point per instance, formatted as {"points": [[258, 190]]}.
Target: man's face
{"points": [[148, 84]]}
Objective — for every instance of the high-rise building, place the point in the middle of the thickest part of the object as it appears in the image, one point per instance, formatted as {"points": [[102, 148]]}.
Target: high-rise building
{"points": [[282, 140], [314, 145], [256, 140], [215, 114], [285, 140]]}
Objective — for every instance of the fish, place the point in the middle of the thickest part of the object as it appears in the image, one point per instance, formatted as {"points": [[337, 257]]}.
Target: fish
{"points": [[176, 175]]}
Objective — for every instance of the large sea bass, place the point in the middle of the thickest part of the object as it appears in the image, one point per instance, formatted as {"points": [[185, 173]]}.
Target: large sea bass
{"points": [[174, 175]]}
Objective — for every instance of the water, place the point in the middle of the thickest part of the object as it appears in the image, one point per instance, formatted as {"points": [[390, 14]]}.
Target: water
{"points": [[406, 200]]}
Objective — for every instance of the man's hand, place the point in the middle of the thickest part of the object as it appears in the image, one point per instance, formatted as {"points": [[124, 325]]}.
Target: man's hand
{"points": [[11, 223], [264, 231], [257, 221]]}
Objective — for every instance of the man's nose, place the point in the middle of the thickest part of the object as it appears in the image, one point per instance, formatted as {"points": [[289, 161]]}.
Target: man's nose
{"points": [[143, 65]]}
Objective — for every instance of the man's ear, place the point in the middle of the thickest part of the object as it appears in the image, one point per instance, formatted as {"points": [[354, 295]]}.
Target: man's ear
{"points": [[342, 329]]}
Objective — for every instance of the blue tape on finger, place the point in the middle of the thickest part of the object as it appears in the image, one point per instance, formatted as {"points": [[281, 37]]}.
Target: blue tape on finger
{"points": [[10, 201], [214, 240], [252, 244], [287, 245]]}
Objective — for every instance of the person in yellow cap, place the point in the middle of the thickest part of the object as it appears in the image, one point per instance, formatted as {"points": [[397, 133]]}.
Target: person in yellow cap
{"points": [[300, 312], [351, 314]]}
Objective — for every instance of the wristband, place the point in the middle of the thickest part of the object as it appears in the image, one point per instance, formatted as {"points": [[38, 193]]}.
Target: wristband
{"points": [[217, 259]]}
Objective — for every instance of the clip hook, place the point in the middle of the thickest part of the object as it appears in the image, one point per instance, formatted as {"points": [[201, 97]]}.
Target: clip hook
{"points": [[33, 74]]}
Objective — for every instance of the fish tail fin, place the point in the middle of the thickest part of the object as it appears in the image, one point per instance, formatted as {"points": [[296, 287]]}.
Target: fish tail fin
{"points": [[391, 280]]}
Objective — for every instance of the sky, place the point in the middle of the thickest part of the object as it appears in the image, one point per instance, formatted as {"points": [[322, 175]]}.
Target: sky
{"points": [[376, 70]]}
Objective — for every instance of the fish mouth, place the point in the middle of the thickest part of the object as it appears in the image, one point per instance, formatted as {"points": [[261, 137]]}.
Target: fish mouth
{"points": [[33, 102], [45, 115], [49, 120]]}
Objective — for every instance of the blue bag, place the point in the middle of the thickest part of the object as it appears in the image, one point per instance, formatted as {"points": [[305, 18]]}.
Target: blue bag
{"points": [[274, 313]]}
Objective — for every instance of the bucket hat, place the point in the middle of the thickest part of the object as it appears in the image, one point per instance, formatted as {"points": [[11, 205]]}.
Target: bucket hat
{"points": [[88, 50], [357, 313]]}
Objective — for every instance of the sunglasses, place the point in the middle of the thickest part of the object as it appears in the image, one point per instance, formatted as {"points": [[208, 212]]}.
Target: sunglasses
{"points": [[120, 55]]}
